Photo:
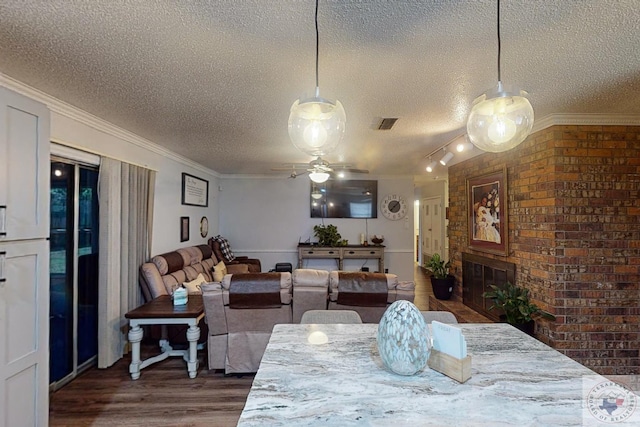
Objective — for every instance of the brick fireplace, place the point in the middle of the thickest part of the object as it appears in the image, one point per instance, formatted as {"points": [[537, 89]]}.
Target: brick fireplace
{"points": [[574, 237]]}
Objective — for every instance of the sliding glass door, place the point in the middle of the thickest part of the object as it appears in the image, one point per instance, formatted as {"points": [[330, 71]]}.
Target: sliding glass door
{"points": [[73, 270]]}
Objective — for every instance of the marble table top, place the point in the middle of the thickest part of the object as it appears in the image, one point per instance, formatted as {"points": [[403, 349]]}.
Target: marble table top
{"points": [[516, 381]]}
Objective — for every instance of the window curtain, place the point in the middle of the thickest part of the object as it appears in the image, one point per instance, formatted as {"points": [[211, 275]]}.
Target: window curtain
{"points": [[126, 196]]}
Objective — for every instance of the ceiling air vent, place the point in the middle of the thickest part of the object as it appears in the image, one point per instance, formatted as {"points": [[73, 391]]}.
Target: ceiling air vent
{"points": [[387, 123]]}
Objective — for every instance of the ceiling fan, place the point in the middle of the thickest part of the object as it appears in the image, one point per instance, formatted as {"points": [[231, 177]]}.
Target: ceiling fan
{"points": [[319, 165]]}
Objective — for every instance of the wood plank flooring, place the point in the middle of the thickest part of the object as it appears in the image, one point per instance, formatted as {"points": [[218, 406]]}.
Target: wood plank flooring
{"points": [[164, 395]]}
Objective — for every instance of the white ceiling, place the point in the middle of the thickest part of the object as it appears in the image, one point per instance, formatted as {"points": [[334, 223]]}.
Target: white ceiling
{"points": [[214, 80]]}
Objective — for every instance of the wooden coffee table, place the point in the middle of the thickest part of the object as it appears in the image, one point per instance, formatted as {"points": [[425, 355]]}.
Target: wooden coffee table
{"points": [[161, 311]]}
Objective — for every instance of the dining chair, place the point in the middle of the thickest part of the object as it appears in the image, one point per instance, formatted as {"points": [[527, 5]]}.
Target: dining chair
{"points": [[440, 316], [330, 316]]}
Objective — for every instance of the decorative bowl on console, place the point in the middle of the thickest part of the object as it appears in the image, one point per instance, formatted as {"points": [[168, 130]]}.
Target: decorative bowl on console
{"points": [[377, 239]]}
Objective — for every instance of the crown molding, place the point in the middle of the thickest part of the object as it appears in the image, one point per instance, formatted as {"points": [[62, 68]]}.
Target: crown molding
{"points": [[586, 120], [67, 110]]}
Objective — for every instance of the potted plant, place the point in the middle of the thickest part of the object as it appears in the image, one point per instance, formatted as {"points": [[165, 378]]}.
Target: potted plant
{"points": [[518, 309], [328, 235], [441, 281]]}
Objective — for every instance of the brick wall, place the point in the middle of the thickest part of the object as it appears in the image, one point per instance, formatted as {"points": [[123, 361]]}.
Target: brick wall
{"points": [[574, 235]]}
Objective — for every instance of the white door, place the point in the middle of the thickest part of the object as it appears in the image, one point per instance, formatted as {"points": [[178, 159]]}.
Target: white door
{"points": [[24, 332], [432, 227], [24, 261], [24, 167]]}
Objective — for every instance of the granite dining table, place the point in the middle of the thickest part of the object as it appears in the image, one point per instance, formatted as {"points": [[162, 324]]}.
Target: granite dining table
{"points": [[516, 380]]}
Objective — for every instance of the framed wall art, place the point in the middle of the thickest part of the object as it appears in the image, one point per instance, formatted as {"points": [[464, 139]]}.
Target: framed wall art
{"points": [[487, 213], [195, 191], [184, 228]]}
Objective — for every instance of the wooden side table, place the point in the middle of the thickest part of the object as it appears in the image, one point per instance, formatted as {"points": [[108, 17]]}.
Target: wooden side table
{"points": [[161, 311]]}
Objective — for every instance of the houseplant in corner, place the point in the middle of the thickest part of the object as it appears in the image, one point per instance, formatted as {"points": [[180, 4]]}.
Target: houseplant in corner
{"points": [[518, 309], [441, 281]]}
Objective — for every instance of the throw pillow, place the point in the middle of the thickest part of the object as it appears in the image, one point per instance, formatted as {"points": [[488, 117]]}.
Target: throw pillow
{"points": [[219, 271], [192, 286], [225, 248]]}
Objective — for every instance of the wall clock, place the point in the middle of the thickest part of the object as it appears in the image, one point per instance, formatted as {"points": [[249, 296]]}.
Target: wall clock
{"points": [[204, 226], [393, 207]]}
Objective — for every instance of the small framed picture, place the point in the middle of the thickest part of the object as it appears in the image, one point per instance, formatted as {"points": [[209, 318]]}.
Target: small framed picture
{"points": [[184, 228], [487, 213]]}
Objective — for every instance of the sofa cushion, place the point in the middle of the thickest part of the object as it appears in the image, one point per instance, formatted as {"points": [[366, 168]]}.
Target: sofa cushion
{"points": [[169, 262], [334, 280], [286, 286], [362, 289], [207, 252], [238, 269], [259, 290], [191, 255], [311, 278]]}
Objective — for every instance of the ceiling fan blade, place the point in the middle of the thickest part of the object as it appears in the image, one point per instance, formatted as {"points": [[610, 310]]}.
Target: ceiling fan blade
{"points": [[347, 167], [296, 174], [337, 172], [352, 170], [290, 166]]}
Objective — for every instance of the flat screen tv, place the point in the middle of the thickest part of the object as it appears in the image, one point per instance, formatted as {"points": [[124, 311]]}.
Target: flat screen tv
{"points": [[351, 198]]}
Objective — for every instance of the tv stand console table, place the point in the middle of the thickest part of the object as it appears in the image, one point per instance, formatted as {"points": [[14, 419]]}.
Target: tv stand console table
{"points": [[340, 253]]}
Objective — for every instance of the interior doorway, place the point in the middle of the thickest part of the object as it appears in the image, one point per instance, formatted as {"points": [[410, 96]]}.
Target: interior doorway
{"points": [[73, 336], [432, 228]]}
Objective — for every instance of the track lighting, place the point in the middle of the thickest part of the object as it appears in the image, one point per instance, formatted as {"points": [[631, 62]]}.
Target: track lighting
{"points": [[463, 146], [432, 164], [448, 155]]}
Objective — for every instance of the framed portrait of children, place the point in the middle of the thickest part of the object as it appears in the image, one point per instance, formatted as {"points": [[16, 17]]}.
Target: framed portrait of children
{"points": [[487, 213]]}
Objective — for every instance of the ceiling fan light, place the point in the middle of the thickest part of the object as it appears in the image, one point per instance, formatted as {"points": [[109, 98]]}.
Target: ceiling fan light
{"points": [[500, 120], [316, 125], [318, 176]]}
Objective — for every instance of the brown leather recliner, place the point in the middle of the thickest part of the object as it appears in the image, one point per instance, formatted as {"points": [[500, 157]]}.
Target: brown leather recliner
{"points": [[215, 243]]}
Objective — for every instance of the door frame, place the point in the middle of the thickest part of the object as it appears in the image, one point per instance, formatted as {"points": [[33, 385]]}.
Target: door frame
{"points": [[77, 165]]}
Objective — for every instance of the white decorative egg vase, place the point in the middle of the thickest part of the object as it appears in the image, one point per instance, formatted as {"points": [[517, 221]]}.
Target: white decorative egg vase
{"points": [[404, 341]]}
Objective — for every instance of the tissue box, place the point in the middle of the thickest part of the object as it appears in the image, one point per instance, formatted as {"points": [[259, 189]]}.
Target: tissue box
{"points": [[180, 296]]}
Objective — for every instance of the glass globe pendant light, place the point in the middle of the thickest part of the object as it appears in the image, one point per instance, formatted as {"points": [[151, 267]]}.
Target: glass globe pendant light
{"points": [[316, 125], [502, 117]]}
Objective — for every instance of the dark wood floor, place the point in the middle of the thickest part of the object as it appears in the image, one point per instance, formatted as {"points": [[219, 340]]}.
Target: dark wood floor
{"points": [[164, 395]]}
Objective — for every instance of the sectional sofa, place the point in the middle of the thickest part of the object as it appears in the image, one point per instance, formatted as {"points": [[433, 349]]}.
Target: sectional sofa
{"points": [[242, 308]]}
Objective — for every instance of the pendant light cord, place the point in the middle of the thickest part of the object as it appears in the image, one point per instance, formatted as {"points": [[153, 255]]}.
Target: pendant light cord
{"points": [[499, 44], [317, 49]]}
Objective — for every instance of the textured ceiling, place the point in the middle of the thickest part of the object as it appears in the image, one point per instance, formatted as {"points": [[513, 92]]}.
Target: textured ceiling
{"points": [[214, 80]]}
